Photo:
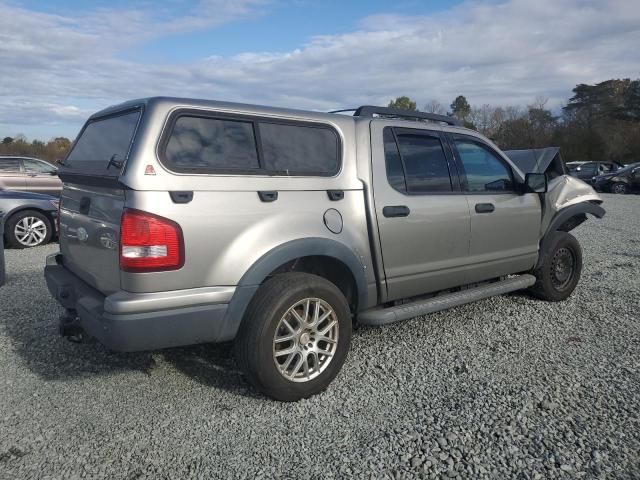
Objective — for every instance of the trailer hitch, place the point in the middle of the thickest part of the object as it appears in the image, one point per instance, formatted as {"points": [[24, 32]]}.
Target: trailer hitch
{"points": [[70, 328]]}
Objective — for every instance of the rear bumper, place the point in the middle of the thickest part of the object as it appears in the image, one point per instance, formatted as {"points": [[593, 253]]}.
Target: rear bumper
{"points": [[129, 322]]}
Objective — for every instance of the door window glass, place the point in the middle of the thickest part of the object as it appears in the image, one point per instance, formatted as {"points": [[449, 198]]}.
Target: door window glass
{"points": [[425, 163], [484, 171], [35, 166], [587, 169], [9, 165], [395, 173]]}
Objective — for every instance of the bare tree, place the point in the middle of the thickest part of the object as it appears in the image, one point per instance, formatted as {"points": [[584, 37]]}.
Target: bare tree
{"points": [[434, 106]]}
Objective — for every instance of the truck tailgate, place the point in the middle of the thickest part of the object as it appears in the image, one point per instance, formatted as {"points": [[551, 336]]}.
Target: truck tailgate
{"points": [[90, 232]]}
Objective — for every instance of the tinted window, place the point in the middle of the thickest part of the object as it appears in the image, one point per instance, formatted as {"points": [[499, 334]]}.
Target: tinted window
{"points": [[395, 173], [587, 169], [484, 171], [211, 144], [102, 139], [9, 165], [35, 166], [299, 149], [425, 163]]}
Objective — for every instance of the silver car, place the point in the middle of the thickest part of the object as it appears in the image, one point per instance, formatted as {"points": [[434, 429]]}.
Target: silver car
{"points": [[29, 175], [187, 221]]}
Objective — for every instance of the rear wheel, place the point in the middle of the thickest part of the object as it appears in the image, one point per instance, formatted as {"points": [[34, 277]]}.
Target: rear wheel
{"points": [[28, 228], [619, 188], [294, 337], [560, 270]]}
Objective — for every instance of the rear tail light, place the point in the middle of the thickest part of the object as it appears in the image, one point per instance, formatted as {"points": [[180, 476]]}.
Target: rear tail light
{"points": [[149, 243]]}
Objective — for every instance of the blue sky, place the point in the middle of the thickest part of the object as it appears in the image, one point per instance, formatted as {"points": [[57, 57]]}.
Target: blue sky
{"points": [[275, 27], [62, 60]]}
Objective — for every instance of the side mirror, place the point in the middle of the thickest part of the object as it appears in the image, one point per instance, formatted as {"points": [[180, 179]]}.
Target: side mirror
{"points": [[535, 183]]}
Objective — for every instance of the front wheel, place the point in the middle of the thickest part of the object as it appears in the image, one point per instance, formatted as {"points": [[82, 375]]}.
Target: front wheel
{"points": [[619, 188], [28, 228], [294, 337], [560, 269]]}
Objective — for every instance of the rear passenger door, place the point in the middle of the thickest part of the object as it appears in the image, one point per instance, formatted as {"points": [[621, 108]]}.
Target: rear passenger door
{"points": [[12, 177], [423, 217], [505, 225]]}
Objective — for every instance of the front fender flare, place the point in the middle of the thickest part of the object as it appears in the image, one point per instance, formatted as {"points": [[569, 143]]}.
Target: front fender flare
{"points": [[562, 221], [286, 252]]}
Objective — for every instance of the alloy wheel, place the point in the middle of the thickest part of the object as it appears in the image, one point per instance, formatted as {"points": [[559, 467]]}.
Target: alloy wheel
{"points": [[30, 231], [305, 340]]}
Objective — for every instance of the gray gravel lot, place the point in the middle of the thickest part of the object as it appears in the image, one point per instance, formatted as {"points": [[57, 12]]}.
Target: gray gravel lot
{"points": [[509, 387]]}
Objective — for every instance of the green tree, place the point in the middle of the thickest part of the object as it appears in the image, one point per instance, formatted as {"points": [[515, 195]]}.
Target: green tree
{"points": [[615, 98], [460, 108], [403, 103], [7, 140]]}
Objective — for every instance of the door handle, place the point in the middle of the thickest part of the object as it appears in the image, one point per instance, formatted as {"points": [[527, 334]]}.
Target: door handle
{"points": [[268, 196], [485, 207], [396, 211]]}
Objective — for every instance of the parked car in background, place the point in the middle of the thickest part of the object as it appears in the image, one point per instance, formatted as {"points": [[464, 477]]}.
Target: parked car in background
{"points": [[621, 181], [587, 171], [29, 175], [29, 218]]}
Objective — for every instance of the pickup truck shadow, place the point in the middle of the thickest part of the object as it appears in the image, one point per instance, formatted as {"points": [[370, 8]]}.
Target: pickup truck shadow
{"points": [[29, 323]]}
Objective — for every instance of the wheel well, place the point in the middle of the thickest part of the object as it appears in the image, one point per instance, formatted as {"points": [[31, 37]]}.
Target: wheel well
{"points": [[329, 268]]}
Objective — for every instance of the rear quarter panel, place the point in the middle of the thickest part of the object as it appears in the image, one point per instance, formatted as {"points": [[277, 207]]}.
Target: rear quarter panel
{"points": [[226, 226]]}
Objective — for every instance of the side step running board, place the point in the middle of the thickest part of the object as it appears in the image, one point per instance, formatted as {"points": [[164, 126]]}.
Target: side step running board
{"points": [[383, 316]]}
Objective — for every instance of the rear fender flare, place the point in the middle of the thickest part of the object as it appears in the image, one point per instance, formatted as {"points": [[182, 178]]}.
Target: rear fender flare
{"points": [[280, 255]]}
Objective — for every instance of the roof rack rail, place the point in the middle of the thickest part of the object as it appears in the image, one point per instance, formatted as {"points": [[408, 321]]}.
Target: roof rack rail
{"points": [[370, 111]]}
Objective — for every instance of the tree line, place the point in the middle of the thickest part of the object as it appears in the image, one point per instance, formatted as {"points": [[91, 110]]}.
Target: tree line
{"points": [[52, 151], [599, 122]]}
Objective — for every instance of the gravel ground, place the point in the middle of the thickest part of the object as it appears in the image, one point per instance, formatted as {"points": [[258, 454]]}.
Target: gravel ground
{"points": [[509, 387]]}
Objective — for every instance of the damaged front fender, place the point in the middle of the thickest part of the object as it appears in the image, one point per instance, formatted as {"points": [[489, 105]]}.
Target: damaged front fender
{"points": [[564, 192], [566, 205]]}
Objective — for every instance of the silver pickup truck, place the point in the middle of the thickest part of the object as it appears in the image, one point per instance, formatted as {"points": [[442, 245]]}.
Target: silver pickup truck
{"points": [[188, 221]]}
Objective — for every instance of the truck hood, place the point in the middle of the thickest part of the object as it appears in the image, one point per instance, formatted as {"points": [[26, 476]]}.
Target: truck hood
{"points": [[535, 160], [563, 192]]}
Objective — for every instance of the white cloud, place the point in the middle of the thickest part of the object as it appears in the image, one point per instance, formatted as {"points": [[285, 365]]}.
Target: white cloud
{"points": [[505, 53]]}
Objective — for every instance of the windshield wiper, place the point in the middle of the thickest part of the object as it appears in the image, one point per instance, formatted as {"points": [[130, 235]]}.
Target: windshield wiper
{"points": [[114, 162]]}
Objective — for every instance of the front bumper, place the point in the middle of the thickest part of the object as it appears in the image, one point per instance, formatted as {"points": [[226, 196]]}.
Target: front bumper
{"points": [[130, 322]]}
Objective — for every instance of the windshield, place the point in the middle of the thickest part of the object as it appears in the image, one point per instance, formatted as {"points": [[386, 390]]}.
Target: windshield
{"points": [[101, 141]]}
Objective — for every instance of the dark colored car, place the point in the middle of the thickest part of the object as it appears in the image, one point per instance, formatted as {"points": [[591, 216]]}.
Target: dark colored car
{"points": [[29, 175], [587, 171], [29, 218], [622, 181]]}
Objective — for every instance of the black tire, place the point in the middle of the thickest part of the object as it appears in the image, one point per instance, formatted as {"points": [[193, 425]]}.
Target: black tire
{"points": [[619, 188], [560, 269], [254, 344], [16, 218]]}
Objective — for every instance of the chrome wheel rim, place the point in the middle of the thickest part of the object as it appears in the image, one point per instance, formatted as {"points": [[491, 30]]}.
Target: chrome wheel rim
{"points": [[30, 231], [562, 268], [619, 188], [305, 340]]}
